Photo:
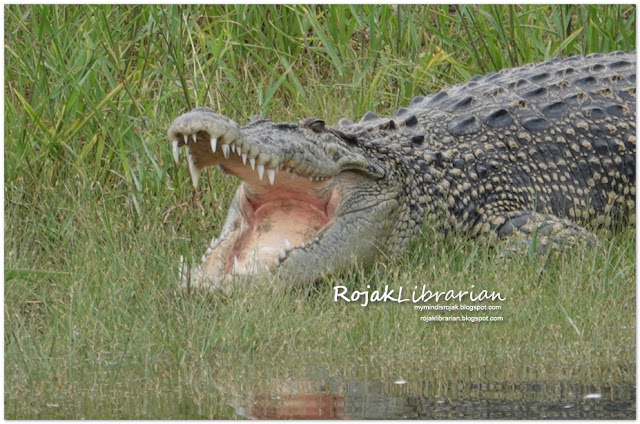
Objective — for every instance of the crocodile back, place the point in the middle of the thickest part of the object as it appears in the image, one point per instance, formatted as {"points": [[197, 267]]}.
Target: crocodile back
{"points": [[557, 137]]}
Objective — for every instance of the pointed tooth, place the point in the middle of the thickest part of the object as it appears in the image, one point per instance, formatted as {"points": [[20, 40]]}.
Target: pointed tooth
{"points": [[310, 178], [271, 173], [214, 241], [239, 151], [176, 151], [186, 139], [287, 244], [225, 151], [252, 162], [214, 143], [283, 254], [244, 158], [193, 171], [233, 148], [236, 268], [260, 171]]}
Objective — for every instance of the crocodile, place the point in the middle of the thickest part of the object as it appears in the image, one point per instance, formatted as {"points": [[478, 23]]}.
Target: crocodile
{"points": [[537, 154]]}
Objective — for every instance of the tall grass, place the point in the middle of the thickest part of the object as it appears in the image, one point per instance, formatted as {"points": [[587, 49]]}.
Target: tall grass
{"points": [[96, 214]]}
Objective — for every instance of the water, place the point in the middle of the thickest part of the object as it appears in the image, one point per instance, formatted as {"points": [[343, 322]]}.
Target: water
{"points": [[406, 399]]}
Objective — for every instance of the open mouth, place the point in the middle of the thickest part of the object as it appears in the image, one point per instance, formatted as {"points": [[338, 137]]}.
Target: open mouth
{"points": [[282, 205]]}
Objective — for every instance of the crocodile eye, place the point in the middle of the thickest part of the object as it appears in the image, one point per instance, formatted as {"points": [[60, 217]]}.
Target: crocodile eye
{"points": [[315, 124]]}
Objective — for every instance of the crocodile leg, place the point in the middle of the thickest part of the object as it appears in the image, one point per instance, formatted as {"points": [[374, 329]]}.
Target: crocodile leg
{"points": [[543, 231]]}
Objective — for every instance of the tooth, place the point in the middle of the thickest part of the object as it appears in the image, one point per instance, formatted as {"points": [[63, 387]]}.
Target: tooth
{"points": [[225, 151], [283, 254], [272, 175], [310, 178], [260, 171], [287, 244], [233, 147], [176, 151], [244, 158], [214, 143], [186, 139], [277, 261], [252, 162], [193, 171], [239, 151], [208, 252], [236, 268], [214, 241]]}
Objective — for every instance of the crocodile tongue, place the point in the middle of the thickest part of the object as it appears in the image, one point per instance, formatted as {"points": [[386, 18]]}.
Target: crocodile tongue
{"points": [[270, 227]]}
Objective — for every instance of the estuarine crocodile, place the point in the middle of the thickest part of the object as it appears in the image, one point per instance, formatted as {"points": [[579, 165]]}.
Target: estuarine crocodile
{"points": [[542, 149]]}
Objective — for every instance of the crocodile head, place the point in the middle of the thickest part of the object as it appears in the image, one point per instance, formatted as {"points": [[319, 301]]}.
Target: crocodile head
{"points": [[311, 200]]}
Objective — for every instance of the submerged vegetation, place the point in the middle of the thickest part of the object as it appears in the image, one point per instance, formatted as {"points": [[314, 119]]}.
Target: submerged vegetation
{"points": [[97, 215]]}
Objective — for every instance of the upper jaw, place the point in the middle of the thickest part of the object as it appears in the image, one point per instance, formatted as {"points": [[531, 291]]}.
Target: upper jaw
{"points": [[212, 139]]}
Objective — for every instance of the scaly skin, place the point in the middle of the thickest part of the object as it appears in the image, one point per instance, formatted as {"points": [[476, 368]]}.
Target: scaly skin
{"points": [[542, 149]]}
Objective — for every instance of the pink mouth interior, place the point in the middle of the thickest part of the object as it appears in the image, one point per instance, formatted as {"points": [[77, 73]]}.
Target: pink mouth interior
{"points": [[285, 215]]}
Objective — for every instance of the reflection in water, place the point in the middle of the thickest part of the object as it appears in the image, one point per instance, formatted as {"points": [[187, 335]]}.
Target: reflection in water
{"points": [[352, 399]]}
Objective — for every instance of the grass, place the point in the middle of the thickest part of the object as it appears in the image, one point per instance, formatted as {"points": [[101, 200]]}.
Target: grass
{"points": [[96, 214]]}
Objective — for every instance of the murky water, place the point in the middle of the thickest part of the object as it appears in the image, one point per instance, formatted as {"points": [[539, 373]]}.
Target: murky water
{"points": [[401, 399]]}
